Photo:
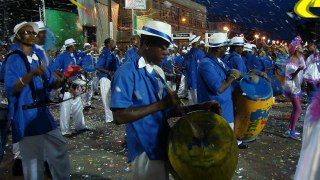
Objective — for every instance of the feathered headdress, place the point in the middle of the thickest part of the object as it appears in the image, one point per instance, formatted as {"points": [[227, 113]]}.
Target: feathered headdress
{"points": [[295, 43]]}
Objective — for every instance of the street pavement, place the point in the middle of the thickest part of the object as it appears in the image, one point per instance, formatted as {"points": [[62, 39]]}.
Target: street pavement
{"points": [[100, 153]]}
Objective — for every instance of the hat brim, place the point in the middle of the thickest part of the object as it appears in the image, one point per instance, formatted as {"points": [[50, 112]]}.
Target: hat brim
{"points": [[217, 45], [32, 24], [152, 34], [195, 40]]}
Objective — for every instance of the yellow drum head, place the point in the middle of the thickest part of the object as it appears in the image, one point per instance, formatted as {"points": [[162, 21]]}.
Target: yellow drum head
{"points": [[214, 156]]}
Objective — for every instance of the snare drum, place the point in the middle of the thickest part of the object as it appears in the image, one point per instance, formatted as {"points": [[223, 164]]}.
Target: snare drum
{"points": [[214, 156]]}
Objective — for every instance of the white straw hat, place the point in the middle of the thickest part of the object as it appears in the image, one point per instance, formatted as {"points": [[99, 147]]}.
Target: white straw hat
{"points": [[23, 24], [41, 26], [237, 41], [218, 39], [194, 38], [158, 29], [69, 42]]}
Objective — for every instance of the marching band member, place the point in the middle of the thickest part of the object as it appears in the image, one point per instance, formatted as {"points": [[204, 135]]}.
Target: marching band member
{"points": [[215, 78], [141, 100], [104, 66], [73, 105], [33, 126]]}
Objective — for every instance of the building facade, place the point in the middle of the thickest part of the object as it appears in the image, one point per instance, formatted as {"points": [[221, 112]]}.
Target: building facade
{"points": [[185, 16]]}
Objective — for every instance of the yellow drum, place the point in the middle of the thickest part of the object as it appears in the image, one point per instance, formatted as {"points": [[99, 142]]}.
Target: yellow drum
{"points": [[212, 156], [252, 104]]}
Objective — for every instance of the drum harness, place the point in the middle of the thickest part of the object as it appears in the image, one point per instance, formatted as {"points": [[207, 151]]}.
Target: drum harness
{"points": [[36, 103]]}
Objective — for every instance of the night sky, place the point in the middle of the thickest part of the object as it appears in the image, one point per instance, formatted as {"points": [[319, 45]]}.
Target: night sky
{"points": [[268, 15]]}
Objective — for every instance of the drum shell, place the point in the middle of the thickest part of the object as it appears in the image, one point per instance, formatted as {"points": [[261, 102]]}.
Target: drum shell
{"points": [[216, 163], [251, 114], [277, 85]]}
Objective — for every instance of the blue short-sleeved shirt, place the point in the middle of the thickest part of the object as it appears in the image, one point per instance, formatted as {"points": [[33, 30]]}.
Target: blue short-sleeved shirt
{"points": [[179, 61], [104, 62], [63, 60], [234, 61], [252, 62], [267, 63], [86, 61], [135, 86], [27, 122], [210, 78], [130, 54], [193, 57]]}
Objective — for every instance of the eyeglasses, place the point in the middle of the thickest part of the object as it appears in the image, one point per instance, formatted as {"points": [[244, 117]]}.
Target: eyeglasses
{"points": [[28, 33]]}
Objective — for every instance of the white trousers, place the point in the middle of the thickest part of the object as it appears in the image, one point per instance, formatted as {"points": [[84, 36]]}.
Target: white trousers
{"points": [[50, 147], [75, 107], [105, 87], [183, 90], [192, 96], [145, 169]]}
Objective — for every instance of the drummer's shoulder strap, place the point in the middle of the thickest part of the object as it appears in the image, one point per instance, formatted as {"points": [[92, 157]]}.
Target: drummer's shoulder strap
{"points": [[28, 68]]}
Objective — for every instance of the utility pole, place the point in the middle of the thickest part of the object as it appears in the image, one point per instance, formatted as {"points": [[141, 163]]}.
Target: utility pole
{"points": [[42, 12]]}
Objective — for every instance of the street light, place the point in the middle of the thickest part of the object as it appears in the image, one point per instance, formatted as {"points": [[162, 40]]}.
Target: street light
{"points": [[225, 28], [184, 19], [256, 36], [263, 38]]}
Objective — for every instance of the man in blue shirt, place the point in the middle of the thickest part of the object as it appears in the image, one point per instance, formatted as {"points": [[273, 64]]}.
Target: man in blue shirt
{"points": [[87, 62], [252, 62], [33, 125], [104, 67], [234, 60], [268, 62], [141, 100], [192, 59], [73, 105], [135, 43], [215, 78]]}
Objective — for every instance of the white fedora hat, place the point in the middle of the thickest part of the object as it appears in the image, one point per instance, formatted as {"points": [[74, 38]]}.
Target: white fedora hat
{"points": [[23, 24], [69, 42], [237, 41], [86, 45], [158, 29], [218, 39], [202, 42], [194, 38], [41, 26], [247, 47]]}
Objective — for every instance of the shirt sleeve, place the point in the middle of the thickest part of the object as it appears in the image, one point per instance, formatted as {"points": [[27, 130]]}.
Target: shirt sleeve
{"points": [[290, 69], [122, 87], [101, 61], [12, 73]]}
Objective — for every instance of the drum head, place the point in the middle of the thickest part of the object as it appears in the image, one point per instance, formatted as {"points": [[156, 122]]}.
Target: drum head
{"points": [[215, 156]]}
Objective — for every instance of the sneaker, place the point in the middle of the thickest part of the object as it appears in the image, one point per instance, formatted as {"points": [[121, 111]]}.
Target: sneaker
{"points": [[287, 134], [295, 137]]}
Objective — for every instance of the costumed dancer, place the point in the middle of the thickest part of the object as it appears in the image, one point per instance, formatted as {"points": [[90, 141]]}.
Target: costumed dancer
{"points": [[142, 100], [309, 161], [312, 72], [292, 89]]}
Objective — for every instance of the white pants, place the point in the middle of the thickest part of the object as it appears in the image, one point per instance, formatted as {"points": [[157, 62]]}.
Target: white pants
{"points": [[145, 169], [86, 97], [50, 147], [232, 127], [192, 96], [182, 91], [105, 87], [75, 107]]}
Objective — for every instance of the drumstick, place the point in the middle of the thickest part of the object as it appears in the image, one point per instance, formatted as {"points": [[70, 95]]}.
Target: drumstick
{"points": [[196, 130]]}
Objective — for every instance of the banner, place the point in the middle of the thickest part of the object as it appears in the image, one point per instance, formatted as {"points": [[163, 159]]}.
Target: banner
{"points": [[64, 25], [138, 22], [135, 4]]}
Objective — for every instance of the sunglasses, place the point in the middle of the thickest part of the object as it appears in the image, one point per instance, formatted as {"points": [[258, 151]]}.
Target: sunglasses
{"points": [[28, 33]]}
